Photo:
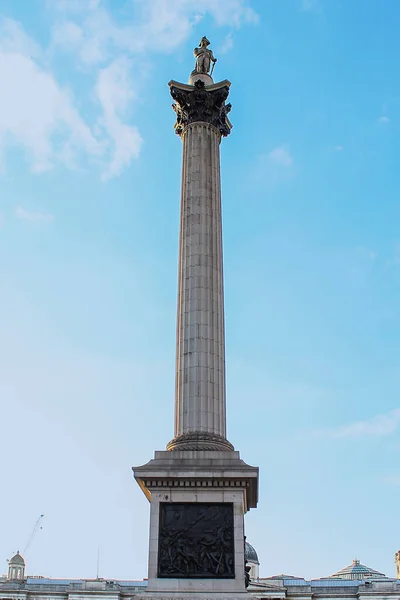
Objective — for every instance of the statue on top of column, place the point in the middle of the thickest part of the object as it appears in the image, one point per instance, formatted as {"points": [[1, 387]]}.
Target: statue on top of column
{"points": [[203, 56]]}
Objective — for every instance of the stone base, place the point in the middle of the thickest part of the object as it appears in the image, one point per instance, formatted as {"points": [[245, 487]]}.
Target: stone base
{"points": [[209, 479], [199, 441], [206, 79]]}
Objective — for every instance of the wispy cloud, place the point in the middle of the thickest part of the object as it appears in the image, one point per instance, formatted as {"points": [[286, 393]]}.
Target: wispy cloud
{"points": [[158, 26], [281, 157], [33, 217], [43, 117], [339, 148], [380, 425], [310, 5], [383, 120], [227, 44], [34, 107], [114, 90], [275, 167]]}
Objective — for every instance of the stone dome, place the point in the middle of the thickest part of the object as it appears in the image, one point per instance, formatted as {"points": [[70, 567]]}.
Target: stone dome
{"points": [[358, 571], [17, 560], [250, 554]]}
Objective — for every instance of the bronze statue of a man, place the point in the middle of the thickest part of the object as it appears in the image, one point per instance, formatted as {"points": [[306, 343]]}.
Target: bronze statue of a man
{"points": [[204, 56]]}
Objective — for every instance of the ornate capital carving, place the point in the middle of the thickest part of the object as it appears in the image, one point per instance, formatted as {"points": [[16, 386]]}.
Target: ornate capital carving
{"points": [[200, 104], [199, 441]]}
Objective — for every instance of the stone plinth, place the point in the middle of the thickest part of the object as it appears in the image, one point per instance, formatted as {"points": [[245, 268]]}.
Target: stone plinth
{"points": [[198, 478], [204, 77]]}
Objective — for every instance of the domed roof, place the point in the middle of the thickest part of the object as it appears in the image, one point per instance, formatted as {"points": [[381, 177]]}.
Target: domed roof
{"points": [[250, 554], [17, 560], [358, 571]]}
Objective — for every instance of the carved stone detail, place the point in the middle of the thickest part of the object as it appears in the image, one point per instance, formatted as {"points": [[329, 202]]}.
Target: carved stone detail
{"points": [[196, 482], [199, 441], [201, 105], [196, 540]]}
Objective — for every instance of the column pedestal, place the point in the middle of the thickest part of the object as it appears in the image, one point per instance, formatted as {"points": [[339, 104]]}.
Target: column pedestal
{"points": [[198, 501]]}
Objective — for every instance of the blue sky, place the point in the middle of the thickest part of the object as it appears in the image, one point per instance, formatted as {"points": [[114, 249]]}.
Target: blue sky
{"points": [[89, 206]]}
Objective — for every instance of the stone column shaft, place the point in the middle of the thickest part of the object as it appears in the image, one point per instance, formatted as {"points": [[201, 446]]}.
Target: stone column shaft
{"points": [[200, 360], [200, 403]]}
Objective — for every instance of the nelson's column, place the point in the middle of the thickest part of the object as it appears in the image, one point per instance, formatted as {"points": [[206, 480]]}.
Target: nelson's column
{"points": [[199, 489]]}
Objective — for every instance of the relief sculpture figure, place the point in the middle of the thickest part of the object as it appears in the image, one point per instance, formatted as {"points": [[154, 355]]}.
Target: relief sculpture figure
{"points": [[196, 541]]}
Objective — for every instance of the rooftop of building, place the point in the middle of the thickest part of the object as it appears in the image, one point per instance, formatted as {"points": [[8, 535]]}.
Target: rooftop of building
{"points": [[17, 560], [250, 553], [99, 585], [358, 571], [350, 578], [82, 584]]}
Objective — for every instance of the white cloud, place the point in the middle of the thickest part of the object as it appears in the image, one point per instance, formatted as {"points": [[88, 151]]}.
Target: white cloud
{"points": [[339, 148], [90, 36], [68, 35], [281, 157], [114, 91], [38, 115], [227, 44], [275, 167], [310, 5], [41, 116], [14, 39], [157, 26], [167, 24], [379, 425], [33, 217], [383, 120], [48, 126]]}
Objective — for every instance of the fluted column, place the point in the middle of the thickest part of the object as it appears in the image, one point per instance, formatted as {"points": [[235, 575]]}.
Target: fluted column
{"points": [[200, 403], [199, 488]]}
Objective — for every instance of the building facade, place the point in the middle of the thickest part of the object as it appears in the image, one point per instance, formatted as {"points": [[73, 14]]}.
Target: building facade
{"points": [[355, 581]]}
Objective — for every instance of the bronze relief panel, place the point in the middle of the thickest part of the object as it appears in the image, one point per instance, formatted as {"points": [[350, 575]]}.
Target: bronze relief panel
{"points": [[196, 540]]}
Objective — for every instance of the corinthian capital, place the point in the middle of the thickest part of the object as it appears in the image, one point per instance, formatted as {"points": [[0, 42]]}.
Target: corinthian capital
{"points": [[198, 103]]}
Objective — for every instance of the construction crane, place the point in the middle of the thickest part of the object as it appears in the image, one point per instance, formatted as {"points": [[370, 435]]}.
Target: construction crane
{"points": [[34, 531]]}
